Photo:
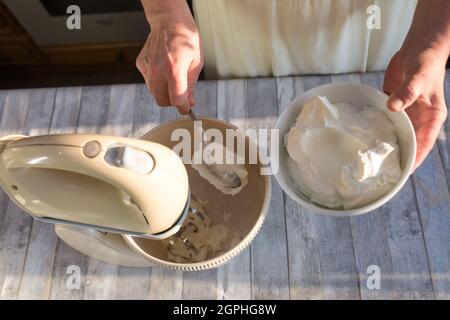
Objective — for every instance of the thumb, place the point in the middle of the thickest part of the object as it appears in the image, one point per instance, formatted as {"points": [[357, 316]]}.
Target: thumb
{"points": [[406, 94]]}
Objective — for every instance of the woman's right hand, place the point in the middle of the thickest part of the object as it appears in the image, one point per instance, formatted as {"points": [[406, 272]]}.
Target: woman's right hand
{"points": [[171, 59]]}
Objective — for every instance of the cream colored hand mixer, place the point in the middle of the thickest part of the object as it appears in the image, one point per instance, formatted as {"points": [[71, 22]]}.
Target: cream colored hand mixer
{"points": [[96, 181]]}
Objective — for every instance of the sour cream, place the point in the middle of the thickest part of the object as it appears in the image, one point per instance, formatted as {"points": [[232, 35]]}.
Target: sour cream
{"points": [[341, 155]]}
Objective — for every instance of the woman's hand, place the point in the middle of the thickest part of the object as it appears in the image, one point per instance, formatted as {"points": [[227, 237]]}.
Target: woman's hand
{"points": [[415, 80], [415, 75], [171, 59]]}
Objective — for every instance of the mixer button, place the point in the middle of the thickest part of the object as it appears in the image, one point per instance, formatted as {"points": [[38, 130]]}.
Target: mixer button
{"points": [[130, 158], [92, 149]]}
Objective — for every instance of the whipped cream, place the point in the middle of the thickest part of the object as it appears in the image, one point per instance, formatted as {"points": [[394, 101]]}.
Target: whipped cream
{"points": [[341, 155]]}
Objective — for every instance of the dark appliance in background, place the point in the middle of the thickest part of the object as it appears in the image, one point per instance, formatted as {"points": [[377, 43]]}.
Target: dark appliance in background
{"points": [[37, 49]]}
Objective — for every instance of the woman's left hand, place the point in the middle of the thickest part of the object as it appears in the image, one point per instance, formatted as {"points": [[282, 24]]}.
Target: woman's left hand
{"points": [[415, 81]]}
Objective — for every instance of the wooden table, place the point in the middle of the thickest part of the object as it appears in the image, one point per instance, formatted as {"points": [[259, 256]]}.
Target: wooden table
{"points": [[296, 255]]}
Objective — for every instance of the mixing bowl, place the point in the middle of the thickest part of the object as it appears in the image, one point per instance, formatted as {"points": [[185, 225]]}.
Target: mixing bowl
{"points": [[358, 95], [242, 213]]}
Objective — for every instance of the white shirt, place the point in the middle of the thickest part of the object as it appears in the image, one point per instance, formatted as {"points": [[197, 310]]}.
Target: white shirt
{"points": [[248, 38]]}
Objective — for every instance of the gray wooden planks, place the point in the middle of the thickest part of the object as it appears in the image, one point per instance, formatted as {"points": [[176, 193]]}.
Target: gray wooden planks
{"points": [[166, 284], [15, 226], [64, 120], [4, 200], [434, 206], [308, 256], [270, 273], [35, 282], [234, 278], [206, 99], [100, 277], [147, 114], [435, 200], [302, 243], [3, 197]]}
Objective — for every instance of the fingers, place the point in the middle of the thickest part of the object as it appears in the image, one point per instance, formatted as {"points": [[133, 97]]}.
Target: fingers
{"points": [[193, 74], [158, 87], [407, 93], [426, 137], [427, 121], [178, 89]]}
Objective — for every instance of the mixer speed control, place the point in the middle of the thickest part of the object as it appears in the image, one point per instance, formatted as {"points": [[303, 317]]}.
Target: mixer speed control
{"points": [[130, 158]]}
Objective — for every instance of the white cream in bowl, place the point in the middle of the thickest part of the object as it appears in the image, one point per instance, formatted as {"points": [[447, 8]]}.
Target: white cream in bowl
{"points": [[342, 155]]}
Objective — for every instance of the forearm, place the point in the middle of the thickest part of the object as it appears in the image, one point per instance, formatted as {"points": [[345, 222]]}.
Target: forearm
{"points": [[157, 10], [430, 28]]}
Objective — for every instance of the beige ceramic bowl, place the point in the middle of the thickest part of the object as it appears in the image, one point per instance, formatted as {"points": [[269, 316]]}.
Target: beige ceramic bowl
{"points": [[359, 95], [247, 209]]}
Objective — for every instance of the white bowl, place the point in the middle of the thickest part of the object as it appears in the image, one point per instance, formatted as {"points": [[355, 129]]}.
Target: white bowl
{"points": [[359, 95]]}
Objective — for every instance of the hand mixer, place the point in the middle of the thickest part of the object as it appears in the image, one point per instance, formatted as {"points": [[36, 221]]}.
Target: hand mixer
{"points": [[110, 184]]}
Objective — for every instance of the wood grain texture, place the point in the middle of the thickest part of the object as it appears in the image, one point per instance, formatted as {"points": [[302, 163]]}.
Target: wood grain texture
{"points": [[35, 283], [16, 225], [297, 254], [64, 120], [97, 107], [305, 279], [234, 278], [4, 202], [3, 197], [166, 284], [147, 114], [270, 273], [434, 207]]}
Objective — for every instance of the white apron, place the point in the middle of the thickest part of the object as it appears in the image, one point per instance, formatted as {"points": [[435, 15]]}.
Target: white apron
{"points": [[249, 38]]}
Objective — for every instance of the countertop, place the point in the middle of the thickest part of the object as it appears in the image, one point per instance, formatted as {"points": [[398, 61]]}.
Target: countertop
{"points": [[296, 255]]}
